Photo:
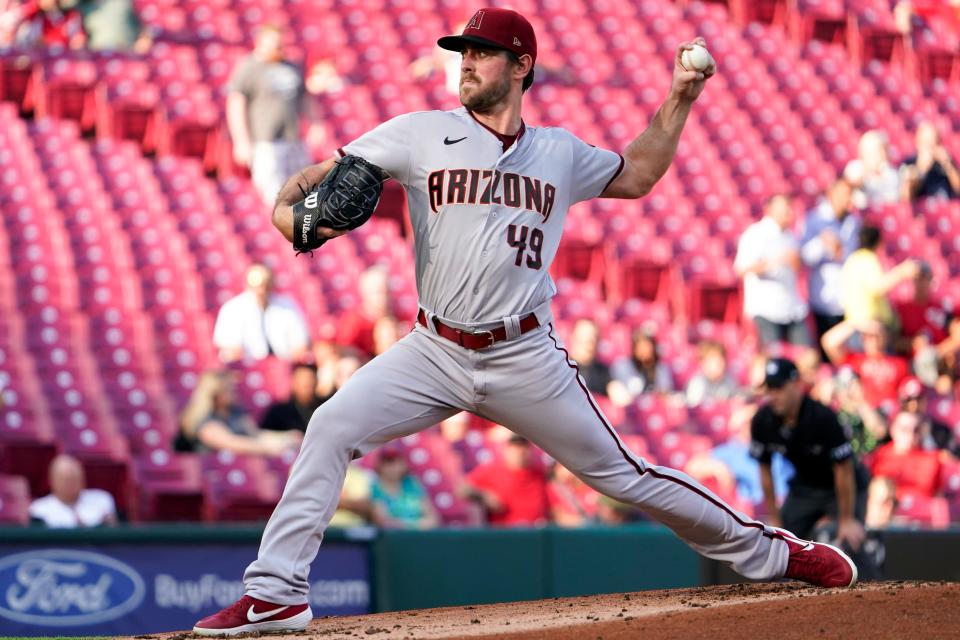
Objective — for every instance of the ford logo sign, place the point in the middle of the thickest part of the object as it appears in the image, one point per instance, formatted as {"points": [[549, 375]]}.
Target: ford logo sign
{"points": [[65, 588]]}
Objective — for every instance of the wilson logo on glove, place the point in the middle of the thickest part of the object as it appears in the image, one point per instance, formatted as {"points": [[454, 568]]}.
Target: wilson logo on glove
{"points": [[343, 200], [307, 219]]}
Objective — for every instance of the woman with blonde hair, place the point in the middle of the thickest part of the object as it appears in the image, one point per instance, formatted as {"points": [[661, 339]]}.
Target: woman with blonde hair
{"points": [[875, 180], [213, 421]]}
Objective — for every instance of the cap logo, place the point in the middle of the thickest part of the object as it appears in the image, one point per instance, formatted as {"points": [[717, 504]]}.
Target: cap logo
{"points": [[516, 41], [475, 21]]}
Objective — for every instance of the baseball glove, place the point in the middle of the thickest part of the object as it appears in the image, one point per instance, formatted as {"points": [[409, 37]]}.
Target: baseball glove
{"points": [[344, 199]]}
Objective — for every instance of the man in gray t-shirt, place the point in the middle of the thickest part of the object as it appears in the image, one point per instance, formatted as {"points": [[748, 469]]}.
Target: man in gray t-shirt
{"points": [[265, 100]]}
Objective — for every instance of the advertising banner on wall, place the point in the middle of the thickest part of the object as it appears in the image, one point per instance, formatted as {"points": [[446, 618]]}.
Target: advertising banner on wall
{"points": [[106, 589]]}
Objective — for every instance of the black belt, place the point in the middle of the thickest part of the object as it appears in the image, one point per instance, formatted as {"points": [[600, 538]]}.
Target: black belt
{"points": [[478, 339]]}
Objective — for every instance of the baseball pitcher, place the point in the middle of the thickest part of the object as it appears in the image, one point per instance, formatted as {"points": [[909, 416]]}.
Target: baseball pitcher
{"points": [[488, 198]]}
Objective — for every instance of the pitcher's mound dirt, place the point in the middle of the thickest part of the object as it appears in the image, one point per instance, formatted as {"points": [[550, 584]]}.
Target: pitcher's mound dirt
{"points": [[877, 610]]}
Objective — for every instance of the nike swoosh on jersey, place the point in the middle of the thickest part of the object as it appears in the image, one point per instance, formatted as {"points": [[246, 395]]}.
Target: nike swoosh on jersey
{"points": [[253, 616], [449, 141]]}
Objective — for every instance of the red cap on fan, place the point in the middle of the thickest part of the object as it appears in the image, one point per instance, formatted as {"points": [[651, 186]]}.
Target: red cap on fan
{"points": [[496, 28]]}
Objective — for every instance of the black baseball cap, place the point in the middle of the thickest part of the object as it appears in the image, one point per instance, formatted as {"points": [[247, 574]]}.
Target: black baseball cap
{"points": [[779, 371]]}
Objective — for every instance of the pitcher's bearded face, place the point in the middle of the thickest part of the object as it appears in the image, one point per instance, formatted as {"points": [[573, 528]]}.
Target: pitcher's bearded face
{"points": [[484, 78]]}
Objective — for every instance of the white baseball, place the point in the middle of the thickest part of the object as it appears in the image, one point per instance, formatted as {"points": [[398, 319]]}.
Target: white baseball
{"points": [[696, 59]]}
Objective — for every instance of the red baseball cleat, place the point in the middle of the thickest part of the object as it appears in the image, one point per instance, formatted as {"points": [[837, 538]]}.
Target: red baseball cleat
{"points": [[250, 614], [817, 563]]}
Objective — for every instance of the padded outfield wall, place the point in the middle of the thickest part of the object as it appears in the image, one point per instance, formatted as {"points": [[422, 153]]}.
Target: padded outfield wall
{"points": [[142, 579]]}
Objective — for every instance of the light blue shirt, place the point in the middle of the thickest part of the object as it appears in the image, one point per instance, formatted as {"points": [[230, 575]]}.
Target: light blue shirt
{"points": [[746, 470], [824, 282]]}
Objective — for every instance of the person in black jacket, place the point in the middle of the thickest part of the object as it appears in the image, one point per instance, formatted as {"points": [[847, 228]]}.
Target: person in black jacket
{"points": [[810, 436], [295, 412]]}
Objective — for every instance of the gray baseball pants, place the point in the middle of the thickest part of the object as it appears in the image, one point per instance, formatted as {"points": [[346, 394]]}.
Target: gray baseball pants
{"points": [[528, 384]]}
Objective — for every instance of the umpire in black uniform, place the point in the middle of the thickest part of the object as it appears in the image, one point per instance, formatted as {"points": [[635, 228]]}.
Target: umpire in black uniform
{"points": [[809, 435]]}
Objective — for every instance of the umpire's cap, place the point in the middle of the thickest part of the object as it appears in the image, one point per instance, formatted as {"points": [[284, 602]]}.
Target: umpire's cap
{"points": [[780, 371]]}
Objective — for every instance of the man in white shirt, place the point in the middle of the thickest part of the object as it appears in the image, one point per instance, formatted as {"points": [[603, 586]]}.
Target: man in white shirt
{"points": [[70, 504], [768, 260], [259, 323]]}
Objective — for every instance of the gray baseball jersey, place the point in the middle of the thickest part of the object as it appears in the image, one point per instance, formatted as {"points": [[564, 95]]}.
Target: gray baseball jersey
{"points": [[487, 225]]}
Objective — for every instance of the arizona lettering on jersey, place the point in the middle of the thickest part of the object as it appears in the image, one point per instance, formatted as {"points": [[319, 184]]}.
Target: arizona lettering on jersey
{"points": [[488, 186], [488, 255]]}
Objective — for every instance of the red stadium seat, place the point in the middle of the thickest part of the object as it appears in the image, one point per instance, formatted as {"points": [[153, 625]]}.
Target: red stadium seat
{"points": [[713, 300], [111, 475], [170, 487], [128, 111], [30, 459], [16, 80], [64, 89]]}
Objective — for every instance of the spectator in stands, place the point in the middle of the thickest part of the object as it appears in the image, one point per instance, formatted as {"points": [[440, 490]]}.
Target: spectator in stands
{"points": [[355, 508], [347, 364], [948, 352], [214, 421], [808, 364], [326, 353], [913, 469], [584, 340], [768, 261], [386, 331], [266, 99], [48, 23], [880, 372], [9, 19], [756, 374], [70, 504], [642, 371], [881, 503], [876, 182], [295, 412], [934, 434], [919, 13], [335, 366], [865, 426], [512, 491], [456, 430], [113, 25], [830, 234], [713, 381], [324, 78], [572, 503], [923, 324], [731, 468], [810, 436], [259, 322], [931, 172], [357, 324], [399, 500], [440, 60], [864, 284]]}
